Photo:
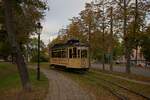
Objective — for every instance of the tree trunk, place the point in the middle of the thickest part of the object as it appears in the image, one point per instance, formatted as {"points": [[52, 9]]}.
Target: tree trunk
{"points": [[127, 50], [38, 68], [21, 65], [12, 58], [136, 27], [136, 56], [27, 53], [89, 48], [103, 62], [111, 32], [127, 56]]}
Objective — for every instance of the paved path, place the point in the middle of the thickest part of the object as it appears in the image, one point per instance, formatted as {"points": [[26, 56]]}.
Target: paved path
{"points": [[134, 70], [63, 88]]}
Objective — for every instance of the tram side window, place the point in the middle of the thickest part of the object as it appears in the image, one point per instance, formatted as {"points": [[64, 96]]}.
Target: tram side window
{"points": [[56, 54], [78, 53], [59, 54], [63, 54], [84, 54], [70, 53], [53, 55], [74, 52]]}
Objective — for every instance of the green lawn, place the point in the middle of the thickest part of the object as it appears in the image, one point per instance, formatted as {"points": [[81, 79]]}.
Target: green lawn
{"points": [[10, 86]]}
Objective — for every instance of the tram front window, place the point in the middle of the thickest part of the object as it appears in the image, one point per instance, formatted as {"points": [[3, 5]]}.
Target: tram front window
{"points": [[70, 53], [78, 53], [63, 54], [74, 52], [83, 53], [54, 54]]}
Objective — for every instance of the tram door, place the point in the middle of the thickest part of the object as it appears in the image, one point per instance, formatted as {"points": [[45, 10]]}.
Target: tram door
{"points": [[83, 57]]}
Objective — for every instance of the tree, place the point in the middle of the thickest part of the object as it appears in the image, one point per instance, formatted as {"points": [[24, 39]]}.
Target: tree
{"points": [[111, 35], [123, 8], [5, 49], [127, 48], [32, 50], [14, 12], [140, 11], [106, 24], [145, 38], [8, 7], [87, 17]]}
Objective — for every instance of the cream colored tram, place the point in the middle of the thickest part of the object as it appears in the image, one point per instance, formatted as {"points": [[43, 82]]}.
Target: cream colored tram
{"points": [[70, 55]]}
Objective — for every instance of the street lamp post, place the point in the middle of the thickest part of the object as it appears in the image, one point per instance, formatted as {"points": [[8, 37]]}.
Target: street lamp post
{"points": [[38, 29]]}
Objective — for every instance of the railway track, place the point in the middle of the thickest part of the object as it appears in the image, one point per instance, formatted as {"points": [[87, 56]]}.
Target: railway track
{"points": [[109, 86], [115, 89], [112, 91]]}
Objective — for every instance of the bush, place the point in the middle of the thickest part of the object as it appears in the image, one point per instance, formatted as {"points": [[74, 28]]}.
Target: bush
{"points": [[43, 58]]}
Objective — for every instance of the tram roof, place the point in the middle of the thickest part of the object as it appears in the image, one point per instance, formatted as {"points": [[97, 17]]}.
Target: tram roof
{"points": [[71, 42]]}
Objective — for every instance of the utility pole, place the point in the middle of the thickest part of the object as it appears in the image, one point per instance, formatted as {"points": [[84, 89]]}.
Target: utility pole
{"points": [[39, 30], [38, 68], [49, 51]]}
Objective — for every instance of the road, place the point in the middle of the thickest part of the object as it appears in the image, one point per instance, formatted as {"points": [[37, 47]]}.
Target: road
{"points": [[63, 88], [134, 70]]}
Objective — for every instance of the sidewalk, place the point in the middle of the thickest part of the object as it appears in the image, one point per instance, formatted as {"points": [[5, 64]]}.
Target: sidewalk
{"points": [[135, 70]]}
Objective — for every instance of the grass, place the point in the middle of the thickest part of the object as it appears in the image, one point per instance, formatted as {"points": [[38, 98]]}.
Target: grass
{"points": [[10, 86]]}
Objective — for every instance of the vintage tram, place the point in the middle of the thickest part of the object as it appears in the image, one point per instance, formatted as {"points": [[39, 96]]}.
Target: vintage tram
{"points": [[72, 54]]}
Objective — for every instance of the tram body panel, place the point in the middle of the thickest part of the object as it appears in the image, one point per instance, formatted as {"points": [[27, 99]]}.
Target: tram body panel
{"points": [[84, 63], [74, 63], [59, 61]]}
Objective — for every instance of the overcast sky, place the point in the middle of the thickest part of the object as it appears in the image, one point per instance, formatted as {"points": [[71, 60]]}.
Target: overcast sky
{"points": [[58, 16]]}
